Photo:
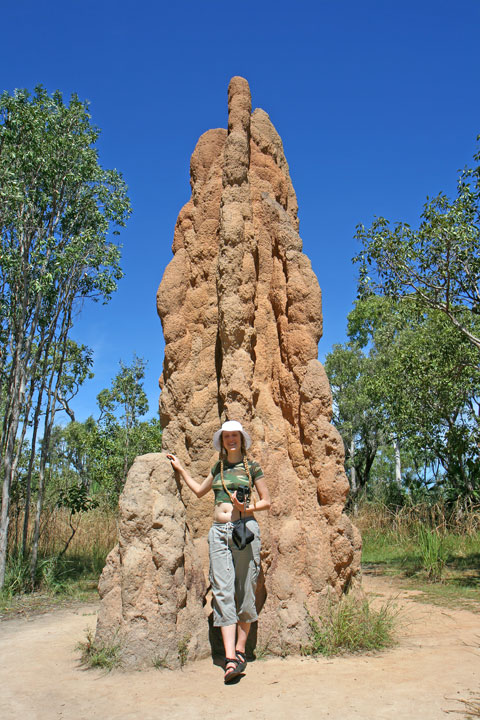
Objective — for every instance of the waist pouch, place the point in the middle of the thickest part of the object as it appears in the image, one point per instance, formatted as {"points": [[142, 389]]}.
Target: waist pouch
{"points": [[241, 534]]}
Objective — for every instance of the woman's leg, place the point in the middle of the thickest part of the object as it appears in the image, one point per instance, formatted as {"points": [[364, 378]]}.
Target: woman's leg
{"points": [[243, 628], [222, 579], [234, 666], [228, 636], [247, 567]]}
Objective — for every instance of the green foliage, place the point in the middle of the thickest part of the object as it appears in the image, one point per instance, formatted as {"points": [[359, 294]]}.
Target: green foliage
{"points": [[57, 207], [112, 457], [91, 459], [76, 368], [76, 499], [121, 436], [18, 576], [99, 655], [54, 574], [419, 340], [86, 467], [417, 381], [61, 578], [435, 545], [126, 393], [56, 196], [358, 419], [437, 265], [352, 625]]}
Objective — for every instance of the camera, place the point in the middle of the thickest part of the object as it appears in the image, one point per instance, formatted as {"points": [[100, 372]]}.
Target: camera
{"points": [[243, 494]]}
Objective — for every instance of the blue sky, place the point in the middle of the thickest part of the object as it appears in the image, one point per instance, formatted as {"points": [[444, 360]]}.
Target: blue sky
{"points": [[376, 101]]}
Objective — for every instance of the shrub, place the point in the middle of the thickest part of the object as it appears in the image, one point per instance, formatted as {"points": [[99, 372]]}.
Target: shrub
{"points": [[352, 626]]}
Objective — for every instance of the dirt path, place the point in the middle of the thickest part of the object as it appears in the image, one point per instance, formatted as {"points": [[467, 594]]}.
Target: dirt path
{"points": [[436, 662]]}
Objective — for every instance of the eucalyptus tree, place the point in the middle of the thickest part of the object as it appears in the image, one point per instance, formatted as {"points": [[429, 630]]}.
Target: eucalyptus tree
{"points": [[76, 368], [57, 207], [437, 265], [418, 319], [357, 415], [99, 453], [127, 397], [426, 383], [68, 368]]}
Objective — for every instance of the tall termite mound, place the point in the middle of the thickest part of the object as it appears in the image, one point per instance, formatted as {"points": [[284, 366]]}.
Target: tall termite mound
{"points": [[241, 314]]}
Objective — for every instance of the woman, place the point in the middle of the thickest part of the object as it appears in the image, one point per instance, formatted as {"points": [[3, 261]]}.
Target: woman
{"points": [[233, 571]]}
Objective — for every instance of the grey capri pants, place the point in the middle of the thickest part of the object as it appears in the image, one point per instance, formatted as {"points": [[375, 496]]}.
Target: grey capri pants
{"points": [[233, 574]]}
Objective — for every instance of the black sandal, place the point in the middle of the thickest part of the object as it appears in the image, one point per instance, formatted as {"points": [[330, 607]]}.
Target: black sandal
{"points": [[237, 670], [242, 658]]}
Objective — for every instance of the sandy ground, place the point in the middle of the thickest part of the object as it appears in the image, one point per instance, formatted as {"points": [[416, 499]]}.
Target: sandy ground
{"points": [[436, 664]]}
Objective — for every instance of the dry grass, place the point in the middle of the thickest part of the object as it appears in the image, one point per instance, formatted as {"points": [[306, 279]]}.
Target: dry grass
{"points": [[72, 574], [456, 519], [96, 532], [472, 707]]}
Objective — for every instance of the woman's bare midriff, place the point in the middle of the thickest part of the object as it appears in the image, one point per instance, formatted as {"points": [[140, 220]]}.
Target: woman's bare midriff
{"points": [[225, 512]]}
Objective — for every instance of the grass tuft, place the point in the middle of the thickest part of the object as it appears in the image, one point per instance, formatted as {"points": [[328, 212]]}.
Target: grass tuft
{"points": [[99, 655], [353, 626], [17, 576], [433, 553], [263, 651], [183, 649], [159, 662]]}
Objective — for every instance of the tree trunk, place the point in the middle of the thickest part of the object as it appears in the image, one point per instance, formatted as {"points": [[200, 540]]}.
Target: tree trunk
{"points": [[28, 490], [7, 479], [45, 348], [398, 465], [23, 338], [52, 394], [353, 472]]}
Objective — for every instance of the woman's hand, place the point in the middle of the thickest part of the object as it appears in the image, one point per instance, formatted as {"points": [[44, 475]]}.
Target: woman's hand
{"points": [[200, 489], [238, 505], [176, 464], [263, 503]]}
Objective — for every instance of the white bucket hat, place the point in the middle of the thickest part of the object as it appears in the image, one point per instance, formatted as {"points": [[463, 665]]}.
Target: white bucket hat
{"points": [[231, 426]]}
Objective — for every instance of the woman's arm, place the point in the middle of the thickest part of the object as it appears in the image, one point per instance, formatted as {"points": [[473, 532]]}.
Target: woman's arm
{"points": [[199, 488], [263, 503]]}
